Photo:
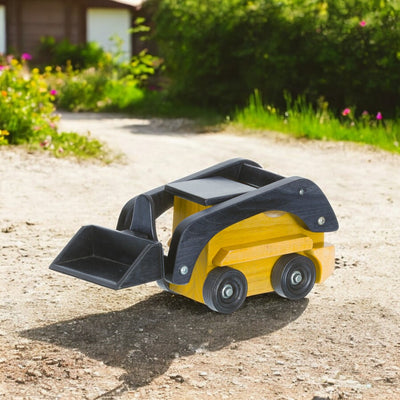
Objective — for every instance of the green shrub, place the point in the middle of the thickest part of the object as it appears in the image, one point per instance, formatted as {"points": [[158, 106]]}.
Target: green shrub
{"points": [[122, 94], [27, 114], [217, 52], [26, 108], [95, 90], [80, 90], [89, 79], [65, 53], [108, 86]]}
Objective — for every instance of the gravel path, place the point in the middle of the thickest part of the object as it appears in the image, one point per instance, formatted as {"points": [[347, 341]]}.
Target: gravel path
{"points": [[62, 338]]}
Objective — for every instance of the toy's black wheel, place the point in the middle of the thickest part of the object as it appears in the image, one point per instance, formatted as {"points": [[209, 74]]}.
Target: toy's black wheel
{"points": [[293, 276], [224, 290]]}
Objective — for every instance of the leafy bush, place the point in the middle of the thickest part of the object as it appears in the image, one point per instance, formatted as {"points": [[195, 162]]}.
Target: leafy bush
{"points": [[108, 86], [27, 113], [79, 90], [65, 53], [217, 52], [89, 79], [26, 108], [122, 94]]}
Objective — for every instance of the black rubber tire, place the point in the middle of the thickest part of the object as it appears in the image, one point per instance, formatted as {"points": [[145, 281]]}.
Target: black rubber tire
{"points": [[293, 276], [224, 290]]}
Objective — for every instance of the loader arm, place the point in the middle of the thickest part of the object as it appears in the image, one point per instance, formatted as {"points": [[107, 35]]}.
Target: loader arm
{"points": [[163, 200], [294, 195]]}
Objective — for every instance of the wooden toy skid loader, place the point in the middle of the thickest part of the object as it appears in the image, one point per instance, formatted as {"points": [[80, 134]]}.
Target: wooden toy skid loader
{"points": [[238, 231]]}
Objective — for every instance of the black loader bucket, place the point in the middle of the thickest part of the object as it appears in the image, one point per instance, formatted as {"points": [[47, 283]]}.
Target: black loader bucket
{"points": [[114, 259]]}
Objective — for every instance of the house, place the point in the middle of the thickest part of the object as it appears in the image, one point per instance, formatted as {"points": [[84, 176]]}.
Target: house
{"points": [[24, 22]]}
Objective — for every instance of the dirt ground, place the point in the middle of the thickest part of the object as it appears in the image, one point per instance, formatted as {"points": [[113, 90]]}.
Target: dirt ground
{"points": [[62, 338]]}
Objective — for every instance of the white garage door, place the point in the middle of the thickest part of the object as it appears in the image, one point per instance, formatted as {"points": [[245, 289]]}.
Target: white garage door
{"points": [[2, 29], [103, 23]]}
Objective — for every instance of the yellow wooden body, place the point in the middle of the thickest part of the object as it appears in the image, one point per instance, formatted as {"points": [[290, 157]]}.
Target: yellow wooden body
{"points": [[252, 246]]}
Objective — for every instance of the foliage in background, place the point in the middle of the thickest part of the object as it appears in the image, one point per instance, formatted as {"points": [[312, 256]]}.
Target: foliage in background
{"points": [[218, 51], [26, 108], [303, 120], [89, 79], [108, 86], [84, 77], [63, 53], [27, 113], [306, 49]]}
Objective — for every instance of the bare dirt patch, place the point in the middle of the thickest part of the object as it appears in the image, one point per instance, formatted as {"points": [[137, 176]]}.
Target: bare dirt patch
{"points": [[61, 338]]}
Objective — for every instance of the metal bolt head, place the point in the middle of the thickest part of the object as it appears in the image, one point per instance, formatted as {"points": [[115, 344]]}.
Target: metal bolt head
{"points": [[183, 270], [321, 220], [301, 192], [227, 291], [296, 278]]}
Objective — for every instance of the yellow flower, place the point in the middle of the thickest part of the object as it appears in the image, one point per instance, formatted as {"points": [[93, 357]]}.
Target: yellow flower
{"points": [[3, 140]]}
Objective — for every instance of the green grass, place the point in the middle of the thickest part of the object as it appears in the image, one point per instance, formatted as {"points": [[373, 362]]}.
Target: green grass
{"points": [[154, 103], [302, 120], [92, 92], [71, 144]]}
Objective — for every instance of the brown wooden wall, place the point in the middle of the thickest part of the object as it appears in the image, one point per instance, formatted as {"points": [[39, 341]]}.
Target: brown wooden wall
{"points": [[29, 20]]}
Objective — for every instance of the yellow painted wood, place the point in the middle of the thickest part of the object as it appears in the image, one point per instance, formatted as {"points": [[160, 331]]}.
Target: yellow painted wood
{"points": [[183, 208], [262, 249], [253, 246], [323, 256], [194, 288], [258, 275]]}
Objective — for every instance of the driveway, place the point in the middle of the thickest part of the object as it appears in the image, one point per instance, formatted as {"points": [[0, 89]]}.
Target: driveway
{"points": [[62, 338]]}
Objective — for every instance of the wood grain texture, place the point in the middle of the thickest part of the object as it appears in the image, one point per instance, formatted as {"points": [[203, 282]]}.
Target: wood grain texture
{"points": [[294, 195], [262, 249]]}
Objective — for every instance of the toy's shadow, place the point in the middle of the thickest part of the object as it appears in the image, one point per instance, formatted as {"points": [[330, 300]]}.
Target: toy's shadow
{"points": [[145, 338]]}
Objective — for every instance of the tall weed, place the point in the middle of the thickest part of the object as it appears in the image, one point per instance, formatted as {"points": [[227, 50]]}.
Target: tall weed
{"points": [[301, 119]]}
